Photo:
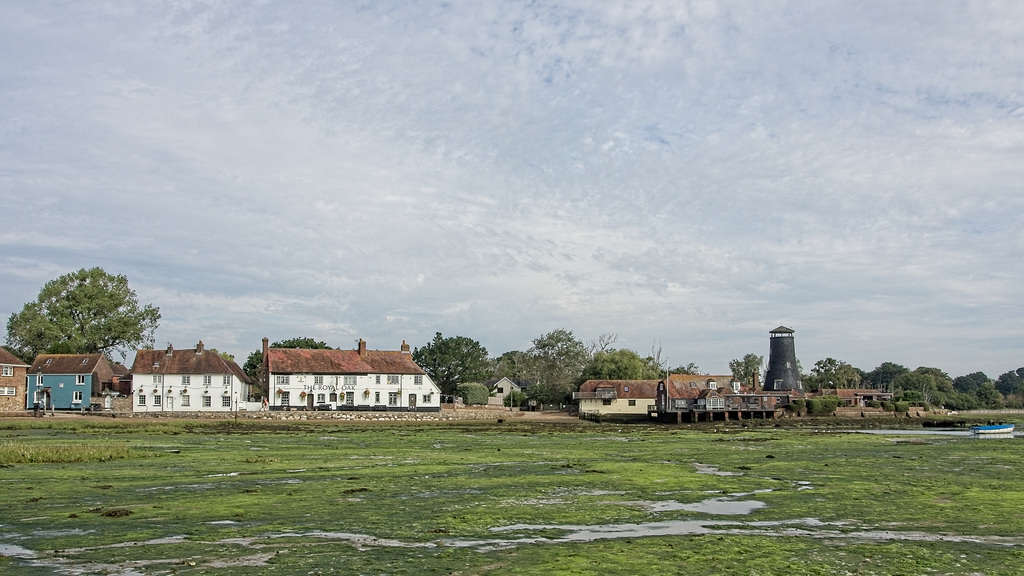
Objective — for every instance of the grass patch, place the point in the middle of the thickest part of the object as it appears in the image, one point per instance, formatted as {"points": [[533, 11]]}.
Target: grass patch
{"points": [[33, 453]]}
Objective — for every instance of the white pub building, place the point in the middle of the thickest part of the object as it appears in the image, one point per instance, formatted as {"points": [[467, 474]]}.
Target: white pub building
{"points": [[377, 380]]}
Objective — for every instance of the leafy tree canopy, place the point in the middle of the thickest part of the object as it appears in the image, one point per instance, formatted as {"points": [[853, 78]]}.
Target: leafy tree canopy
{"points": [[970, 383], [301, 342], [621, 365], [931, 385], [556, 361], [452, 361], [84, 312], [513, 364], [1011, 382], [881, 378], [690, 368], [832, 373], [745, 368]]}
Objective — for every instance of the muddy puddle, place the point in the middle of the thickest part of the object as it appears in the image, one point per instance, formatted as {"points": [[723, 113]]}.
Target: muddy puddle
{"points": [[507, 537], [713, 506]]}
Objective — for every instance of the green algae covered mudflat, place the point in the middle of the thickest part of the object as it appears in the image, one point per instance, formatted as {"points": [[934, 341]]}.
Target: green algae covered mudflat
{"points": [[183, 497]]}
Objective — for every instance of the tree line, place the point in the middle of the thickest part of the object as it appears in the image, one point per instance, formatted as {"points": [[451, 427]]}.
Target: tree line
{"points": [[90, 311], [923, 386]]}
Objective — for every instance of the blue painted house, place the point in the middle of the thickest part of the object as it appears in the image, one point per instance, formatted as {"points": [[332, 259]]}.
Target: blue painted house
{"points": [[70, 381]]}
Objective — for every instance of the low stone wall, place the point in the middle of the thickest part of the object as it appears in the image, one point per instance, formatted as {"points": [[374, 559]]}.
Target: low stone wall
{"points": [[444, 415]]}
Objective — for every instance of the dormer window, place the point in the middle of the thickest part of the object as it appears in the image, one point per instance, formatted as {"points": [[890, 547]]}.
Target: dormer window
{"points": [[156, 364]]}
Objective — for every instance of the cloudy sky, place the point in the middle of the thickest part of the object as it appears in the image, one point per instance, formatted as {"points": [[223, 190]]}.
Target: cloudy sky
{"points": [[686, 175]]}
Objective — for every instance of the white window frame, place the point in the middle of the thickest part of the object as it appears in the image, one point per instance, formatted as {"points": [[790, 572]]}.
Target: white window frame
{"points": [[393, 398], [281, 379], [225, 401], [80, 379], [158, 378], [318, 380], [207, 379], [7, 371], [349, 380], [226, 379], [417, 379], [76, 397], [8, 391], [394, 380], [185, 402], [186, 379], [142, 399], [207, 401], [157, 400]]}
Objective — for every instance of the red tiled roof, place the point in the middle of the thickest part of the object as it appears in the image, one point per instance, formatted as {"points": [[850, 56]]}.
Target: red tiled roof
{"points": [[391, 362], [186, 361], [624, 388], [7, 358], [307, 361], [690, 386], [74, 364]]}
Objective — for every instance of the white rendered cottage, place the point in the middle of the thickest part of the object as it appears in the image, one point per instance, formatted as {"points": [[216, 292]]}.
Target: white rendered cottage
{"points": [[378, 380], [187, 380]]}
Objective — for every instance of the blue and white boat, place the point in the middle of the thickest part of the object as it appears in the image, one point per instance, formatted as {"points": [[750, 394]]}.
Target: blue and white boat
{"points": [[1004, 429]]}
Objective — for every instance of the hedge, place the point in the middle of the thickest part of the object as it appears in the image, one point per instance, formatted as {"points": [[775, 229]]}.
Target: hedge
{"points": [[473, 394]]}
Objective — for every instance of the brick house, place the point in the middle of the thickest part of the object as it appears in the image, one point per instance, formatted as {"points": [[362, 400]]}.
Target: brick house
{"points": [[12, 382]]}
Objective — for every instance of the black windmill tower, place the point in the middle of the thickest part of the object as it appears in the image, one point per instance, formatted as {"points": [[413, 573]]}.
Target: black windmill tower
{"points": [[782, 371]]}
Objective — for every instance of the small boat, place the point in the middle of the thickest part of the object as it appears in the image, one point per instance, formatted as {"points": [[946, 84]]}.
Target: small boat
{"points": [[993, 429]]}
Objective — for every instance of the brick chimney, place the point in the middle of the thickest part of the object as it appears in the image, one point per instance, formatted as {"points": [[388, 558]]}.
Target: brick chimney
{"points": [[405, 347], [362, 347], [170, 349], [199, 347]]}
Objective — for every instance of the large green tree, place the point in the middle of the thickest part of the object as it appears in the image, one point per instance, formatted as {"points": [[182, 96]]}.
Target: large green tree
{"points": [[925, 384], [743, 369], [621, 365], [84, 312], [832, 373], [557, 360], [970, 383], [881, 378], [452, 361], [1011, 382], [513, 364]]}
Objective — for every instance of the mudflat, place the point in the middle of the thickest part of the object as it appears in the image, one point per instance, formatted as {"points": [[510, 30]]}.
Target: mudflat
{"points": [[524, 496]]}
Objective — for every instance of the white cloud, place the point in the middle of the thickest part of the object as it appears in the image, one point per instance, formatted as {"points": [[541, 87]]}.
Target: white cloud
{"points": [[691, 173]]}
